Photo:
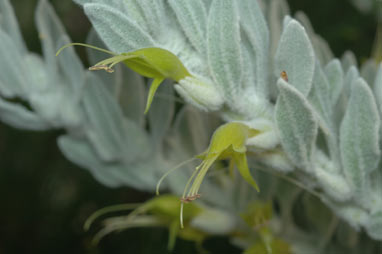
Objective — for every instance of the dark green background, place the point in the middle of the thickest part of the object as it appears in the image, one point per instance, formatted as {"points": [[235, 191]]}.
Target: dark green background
{"points": [[45, 199]]}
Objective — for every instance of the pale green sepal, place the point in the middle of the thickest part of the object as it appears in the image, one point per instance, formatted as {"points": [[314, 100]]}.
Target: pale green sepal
{"points": [[297, 125], [335, 76], [359, 135], [295, 56], [118, 32], [172, 233], [153, 87], [192, 16], [240, 160], [223, 46]]}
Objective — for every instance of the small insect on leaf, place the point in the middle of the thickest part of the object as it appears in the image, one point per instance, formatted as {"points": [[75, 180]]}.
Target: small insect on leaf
{"points": [[284, 76]]}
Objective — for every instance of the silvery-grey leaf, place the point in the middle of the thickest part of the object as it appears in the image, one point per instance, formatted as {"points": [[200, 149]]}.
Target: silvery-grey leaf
{"points": [[132, 96], [295, 56], [249, 65], [319, 96], [38, 80], [286, 21], [95, 56], [370, 198], [359, 135], [105, 117], [207, 3], [223, 46], [155, 16], [20, 117], [116, 29], [322, 49], [374, 226], [79, 151], [329, 176], [296, 123], [350, 76], [348, 59], [335, 76], [161, 113], [116, 4], [50, 31], [192, 16], [135, 12], [378, 88], [113, 82], [353, 215], [369, 70], [140, 175], [14, 81], [305, 22], [194, 129], [255, 26], [277, 11], [72, 68], [9, 25]]}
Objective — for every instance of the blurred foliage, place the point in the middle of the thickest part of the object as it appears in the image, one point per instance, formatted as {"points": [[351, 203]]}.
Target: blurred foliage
{"points": [[46, 199]]}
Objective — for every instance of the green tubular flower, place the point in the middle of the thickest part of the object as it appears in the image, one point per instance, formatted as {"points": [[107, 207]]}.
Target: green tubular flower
{"points": [[161, 211], [227, 142], [258, 216], [156, 63]]}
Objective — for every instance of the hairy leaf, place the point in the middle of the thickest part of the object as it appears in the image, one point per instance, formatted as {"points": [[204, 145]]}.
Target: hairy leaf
{"points": [[296, 123], [295, 56], [359, 135], [223, 45]]}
